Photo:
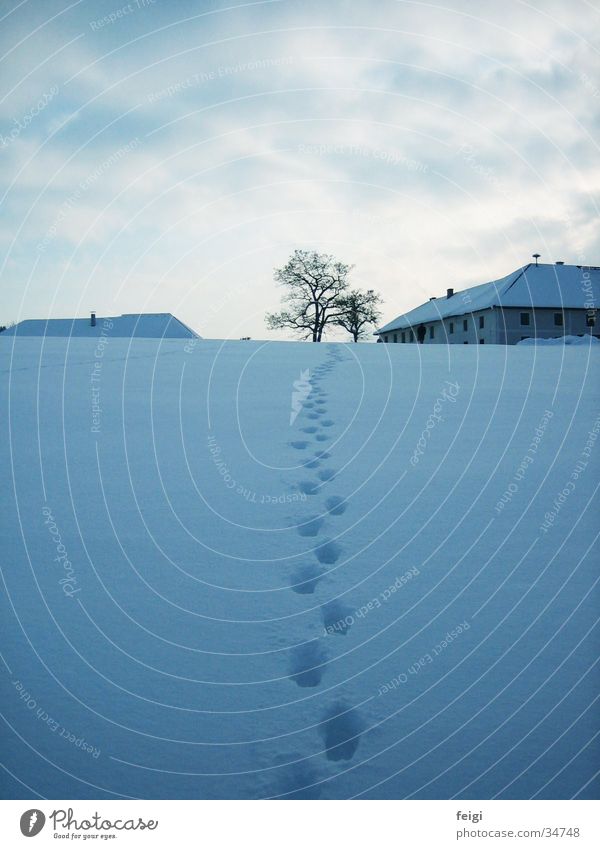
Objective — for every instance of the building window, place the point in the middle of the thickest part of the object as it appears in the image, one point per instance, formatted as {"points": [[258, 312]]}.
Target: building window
{"points": [[403, 337], [431, 332], [451, 327], [465, 343], [395, 337], [411, 336], [385, 338], [465, 324], [482, 341], [481, 321], [524, 318], [558, 319]]}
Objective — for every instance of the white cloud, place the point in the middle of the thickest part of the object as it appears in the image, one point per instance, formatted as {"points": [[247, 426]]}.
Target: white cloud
{"points": [[430, 147]]}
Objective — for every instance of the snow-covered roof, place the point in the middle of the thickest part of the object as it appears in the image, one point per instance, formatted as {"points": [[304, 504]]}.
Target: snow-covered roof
{"points": [[139, 325], [543, 285]]}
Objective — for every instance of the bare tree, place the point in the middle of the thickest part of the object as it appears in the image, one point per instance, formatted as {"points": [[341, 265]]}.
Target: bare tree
{"points": [[314, 284], [356, 311]]}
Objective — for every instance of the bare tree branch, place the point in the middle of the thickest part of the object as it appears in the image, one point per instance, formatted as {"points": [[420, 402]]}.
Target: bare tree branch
{"points": [[314, 283], [357, 310]]}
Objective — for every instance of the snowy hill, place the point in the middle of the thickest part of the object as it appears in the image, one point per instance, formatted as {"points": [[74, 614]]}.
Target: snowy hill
{"points": [[251, 570]]}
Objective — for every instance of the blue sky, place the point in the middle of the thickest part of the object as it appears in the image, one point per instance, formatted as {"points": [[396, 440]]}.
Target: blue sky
{"points": [[166, 156]]}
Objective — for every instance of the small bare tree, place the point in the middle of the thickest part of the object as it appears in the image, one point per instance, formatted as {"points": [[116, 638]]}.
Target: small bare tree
{"points": [[314, 283], [356, 311]]}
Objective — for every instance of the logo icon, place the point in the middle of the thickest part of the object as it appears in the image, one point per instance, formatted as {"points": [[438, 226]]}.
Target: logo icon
{"points": [[300, 392], [32, 822]]}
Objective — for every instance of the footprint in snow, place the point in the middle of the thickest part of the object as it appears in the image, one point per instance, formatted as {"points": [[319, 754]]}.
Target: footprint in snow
{"points": [[312, 416], [337, 618], [306, 579], [307, 664], [311, 527], [327, 474], [299, 444], [341, 730], [300, 781], [310, 429], [326, 422], [336, 505], [328, 552], [309, 487], [322, 455], [321, 437]]}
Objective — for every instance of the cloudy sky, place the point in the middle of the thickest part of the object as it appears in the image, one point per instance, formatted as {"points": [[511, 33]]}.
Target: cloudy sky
{"points": [[165, 156]]}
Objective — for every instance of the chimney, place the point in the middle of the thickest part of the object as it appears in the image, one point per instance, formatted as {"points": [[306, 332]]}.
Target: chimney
{"points": [[449, 293], [433, 298], [93, 319], [560, 262]]}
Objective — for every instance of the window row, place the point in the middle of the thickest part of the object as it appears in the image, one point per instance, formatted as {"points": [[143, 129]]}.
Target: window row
{"points": [[525, 319]]}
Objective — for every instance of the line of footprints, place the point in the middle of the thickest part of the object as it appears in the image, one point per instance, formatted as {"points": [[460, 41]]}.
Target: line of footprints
{"points": [[341, 725]]}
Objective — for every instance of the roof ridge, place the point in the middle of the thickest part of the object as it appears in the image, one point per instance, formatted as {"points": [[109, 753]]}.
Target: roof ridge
{"points": [[518, 277]]}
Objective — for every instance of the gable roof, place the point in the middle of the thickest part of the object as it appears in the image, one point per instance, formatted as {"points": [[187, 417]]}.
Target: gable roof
{"points": [[138, 325], [545, 285]]}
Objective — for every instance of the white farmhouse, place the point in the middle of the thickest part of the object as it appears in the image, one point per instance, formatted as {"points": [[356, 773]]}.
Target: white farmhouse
{"points": [[542, 301]]}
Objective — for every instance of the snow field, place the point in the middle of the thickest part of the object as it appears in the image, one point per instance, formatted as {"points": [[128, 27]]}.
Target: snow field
{"points": [[249, 570]]}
